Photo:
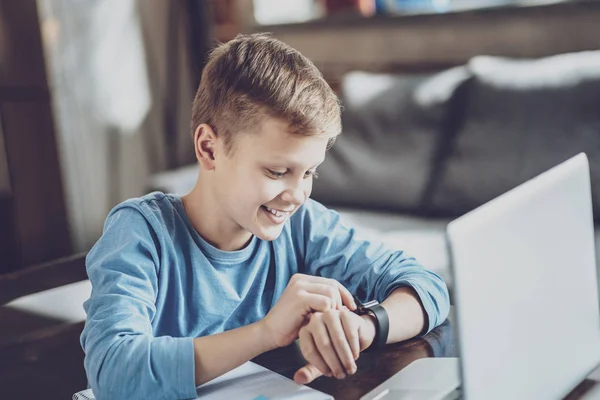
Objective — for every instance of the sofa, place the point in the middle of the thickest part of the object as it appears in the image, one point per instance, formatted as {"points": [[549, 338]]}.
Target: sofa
{"points": [[419, 150]]}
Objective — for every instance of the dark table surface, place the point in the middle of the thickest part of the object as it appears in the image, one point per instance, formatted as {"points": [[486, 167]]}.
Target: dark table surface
{"points": [[375, 367]]}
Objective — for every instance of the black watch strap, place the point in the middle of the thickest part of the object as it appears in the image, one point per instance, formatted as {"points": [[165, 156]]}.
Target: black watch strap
{"points": [[382, 326], [382, 322]]}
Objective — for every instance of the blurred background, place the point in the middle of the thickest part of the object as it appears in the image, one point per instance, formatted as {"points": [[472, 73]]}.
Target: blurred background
{"points": [[447, 104]]}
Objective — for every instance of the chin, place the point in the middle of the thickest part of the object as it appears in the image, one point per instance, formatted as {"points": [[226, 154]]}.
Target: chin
{"points": [[268, 234]]}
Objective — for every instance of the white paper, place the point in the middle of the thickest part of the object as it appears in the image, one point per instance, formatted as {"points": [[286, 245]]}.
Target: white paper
{"points": [[250, 381]]}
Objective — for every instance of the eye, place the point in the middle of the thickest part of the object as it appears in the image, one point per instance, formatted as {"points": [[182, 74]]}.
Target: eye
{"points": [[275, 174], [312, 174]]}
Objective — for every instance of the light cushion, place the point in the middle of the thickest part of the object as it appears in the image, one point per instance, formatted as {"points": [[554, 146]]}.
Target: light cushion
{"points": [[391, 129]]}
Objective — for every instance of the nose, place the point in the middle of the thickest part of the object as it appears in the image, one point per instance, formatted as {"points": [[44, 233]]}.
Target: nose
{"points": [[295, 194]]}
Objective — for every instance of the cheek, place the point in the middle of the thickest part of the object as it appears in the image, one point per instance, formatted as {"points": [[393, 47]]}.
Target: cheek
{"points": [[240, 189], [308, 188], [267, 189]]}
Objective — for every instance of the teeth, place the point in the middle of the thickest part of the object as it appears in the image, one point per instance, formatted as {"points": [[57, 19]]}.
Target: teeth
{"points": [[275, 212]]}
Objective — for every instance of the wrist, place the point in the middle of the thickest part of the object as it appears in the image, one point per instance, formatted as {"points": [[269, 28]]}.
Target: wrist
{"points": [[265, 336], [370, 329]]}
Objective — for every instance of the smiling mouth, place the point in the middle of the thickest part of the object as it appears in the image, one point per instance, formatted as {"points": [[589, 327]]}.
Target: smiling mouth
{"points": [[276, 213]]}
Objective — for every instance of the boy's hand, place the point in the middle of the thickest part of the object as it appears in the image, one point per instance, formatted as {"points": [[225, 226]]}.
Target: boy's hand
{"points": [[331, 342], [304, 295]]}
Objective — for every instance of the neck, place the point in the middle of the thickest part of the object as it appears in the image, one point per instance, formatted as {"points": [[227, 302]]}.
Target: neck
{"points": [[210, 221]]}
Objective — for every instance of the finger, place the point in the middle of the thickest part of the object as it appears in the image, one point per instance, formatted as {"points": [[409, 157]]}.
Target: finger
{"points": [[315, 303], [326, 349], [325, 289], [307, 374], [351, 328], [310, 353], [346, 296], [342, 348]]}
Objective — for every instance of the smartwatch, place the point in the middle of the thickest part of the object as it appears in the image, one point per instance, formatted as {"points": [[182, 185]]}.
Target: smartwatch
{"points": [[382, 322]]}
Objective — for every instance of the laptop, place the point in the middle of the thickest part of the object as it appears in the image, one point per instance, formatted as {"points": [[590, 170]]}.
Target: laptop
{"points": [[526, 297]]}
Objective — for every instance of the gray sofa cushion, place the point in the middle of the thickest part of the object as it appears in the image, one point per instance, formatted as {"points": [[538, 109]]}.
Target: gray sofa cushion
{"points": [[521, 117], [391, 127]]}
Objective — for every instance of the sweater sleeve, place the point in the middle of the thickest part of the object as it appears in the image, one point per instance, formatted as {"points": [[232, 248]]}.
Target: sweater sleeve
{"points": [[123, 359], [366, 267]]}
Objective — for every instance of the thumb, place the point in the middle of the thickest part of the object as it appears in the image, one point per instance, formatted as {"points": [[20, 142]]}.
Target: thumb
{"points": [[307, 374]]}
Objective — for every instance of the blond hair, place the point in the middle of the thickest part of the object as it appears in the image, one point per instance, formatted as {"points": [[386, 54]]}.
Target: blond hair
{"points": [[256, 76]]}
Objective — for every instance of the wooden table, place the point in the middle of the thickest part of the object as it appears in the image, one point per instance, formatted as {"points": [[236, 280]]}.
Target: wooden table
{"points": [[376, 367]]}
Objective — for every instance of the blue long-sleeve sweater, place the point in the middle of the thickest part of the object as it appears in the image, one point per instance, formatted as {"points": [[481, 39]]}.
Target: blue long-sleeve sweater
{"points": [[156, 284]]}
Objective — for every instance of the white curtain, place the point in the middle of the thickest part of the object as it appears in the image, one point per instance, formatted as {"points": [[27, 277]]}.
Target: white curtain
{"points": [[106, 63]]}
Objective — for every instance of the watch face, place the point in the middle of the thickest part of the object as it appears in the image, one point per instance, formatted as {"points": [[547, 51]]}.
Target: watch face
{"points": [[363, 308], [370, 304]]}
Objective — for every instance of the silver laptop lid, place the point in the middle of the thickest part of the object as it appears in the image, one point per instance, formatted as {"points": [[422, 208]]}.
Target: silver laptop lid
{"points": [[526, 290]]}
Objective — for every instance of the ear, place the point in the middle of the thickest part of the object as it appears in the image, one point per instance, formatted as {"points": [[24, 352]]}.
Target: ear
{"points": [[205, 143]]}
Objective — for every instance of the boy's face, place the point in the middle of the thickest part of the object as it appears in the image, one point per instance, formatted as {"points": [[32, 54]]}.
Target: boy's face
{"points": [[266, 177]]}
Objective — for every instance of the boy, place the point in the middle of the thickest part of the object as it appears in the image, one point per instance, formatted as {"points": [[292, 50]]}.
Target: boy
{"points": [[188, 288]]}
